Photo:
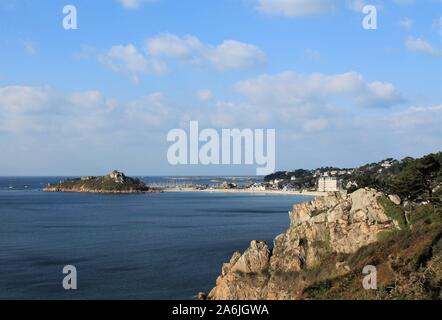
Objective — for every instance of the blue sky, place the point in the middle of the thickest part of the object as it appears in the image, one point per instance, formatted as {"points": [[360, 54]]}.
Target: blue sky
{"points": [[104, 96]]}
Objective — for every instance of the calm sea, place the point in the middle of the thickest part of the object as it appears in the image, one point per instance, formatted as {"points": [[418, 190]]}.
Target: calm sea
{"points": [[152, 246]]}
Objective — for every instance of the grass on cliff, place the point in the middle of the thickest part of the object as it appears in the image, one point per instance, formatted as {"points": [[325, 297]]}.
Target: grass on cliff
{"points": [[393, 211], [428, 214], [409, 266]]}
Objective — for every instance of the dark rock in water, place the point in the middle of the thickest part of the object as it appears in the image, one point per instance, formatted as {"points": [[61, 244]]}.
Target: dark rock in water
{"points": [[201, 296]]}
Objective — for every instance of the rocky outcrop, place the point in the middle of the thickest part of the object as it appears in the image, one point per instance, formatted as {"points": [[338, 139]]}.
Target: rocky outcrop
{"points": [[395, 199], [118, 177], [338, 224], [255, 259]]}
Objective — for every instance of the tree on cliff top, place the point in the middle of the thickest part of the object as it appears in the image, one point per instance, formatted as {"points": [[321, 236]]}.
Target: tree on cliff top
{"points": [[418, 178]]}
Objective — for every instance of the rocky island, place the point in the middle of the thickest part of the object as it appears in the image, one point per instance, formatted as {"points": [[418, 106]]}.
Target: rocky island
{"points": [[114, 183]]}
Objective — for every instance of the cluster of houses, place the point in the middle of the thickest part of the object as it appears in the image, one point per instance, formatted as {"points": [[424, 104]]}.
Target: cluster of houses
{"points": [[324, 184], [322, 180], [326, 181]]}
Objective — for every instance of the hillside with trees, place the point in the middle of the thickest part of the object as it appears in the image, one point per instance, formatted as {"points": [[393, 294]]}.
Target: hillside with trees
{"points": [[414, 180]]}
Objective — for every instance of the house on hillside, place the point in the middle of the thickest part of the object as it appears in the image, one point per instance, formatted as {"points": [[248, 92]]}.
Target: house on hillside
{"points": [[329, 184]]}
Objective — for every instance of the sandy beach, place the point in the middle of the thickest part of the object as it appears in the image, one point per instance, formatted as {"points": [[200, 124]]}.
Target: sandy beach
{"points": [[263, 192]]}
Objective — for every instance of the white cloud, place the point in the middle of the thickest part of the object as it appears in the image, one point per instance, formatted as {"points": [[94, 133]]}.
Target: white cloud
{"points": [[204, 95], [43, 110], [311, 103], [171, 46], [229, 55], [150, 110], [126, 59], [44, 129], [313, 125], [21, 99], [421, 46], [303, 103], [406, 23], [413, 117], [437, 24], [356, 5], [296, 8], [86, 127], [132, 4], [289, 88], [234, 55]]}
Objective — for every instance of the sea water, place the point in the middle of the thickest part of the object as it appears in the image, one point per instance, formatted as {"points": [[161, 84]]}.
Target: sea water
{"points": [[149, 246]]}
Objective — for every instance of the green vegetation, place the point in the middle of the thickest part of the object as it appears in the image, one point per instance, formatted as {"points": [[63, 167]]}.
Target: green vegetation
{"points": [[428, 214], [393, 211], [304, 178], [411, 179], [385, 235], [115, 182], [415, 180], [103, 183], [409, 265], [408, 261]]}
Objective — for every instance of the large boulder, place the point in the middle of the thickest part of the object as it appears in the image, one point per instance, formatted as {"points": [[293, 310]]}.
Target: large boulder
{"points": [[250, 267], [395, 199], [254, 260], [118, 177]]}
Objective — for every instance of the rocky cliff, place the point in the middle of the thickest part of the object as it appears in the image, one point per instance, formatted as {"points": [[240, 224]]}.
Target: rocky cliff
{"points": [[323, 242]]}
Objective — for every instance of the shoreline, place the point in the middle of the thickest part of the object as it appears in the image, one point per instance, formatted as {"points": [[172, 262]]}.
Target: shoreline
{"points": [[263, 192], [97, 191]]}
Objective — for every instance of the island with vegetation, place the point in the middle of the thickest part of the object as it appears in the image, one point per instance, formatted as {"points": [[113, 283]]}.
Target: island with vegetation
{"points": [[114, 183]]}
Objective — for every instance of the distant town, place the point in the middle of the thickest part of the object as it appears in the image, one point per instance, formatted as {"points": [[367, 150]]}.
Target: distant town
{"points": [[326, 179]]}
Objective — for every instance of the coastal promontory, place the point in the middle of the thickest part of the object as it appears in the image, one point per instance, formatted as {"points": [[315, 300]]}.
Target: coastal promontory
{"points": [[114, 183], [327, 246], [386, 226]]}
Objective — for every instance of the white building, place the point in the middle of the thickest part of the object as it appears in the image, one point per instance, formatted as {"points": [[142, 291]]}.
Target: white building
{"points": [[277, 181], [258, 187], [329, 184], [386, 164]]}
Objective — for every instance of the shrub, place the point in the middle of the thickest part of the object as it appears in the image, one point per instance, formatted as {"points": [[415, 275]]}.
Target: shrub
{"points": [[393, 211]]}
